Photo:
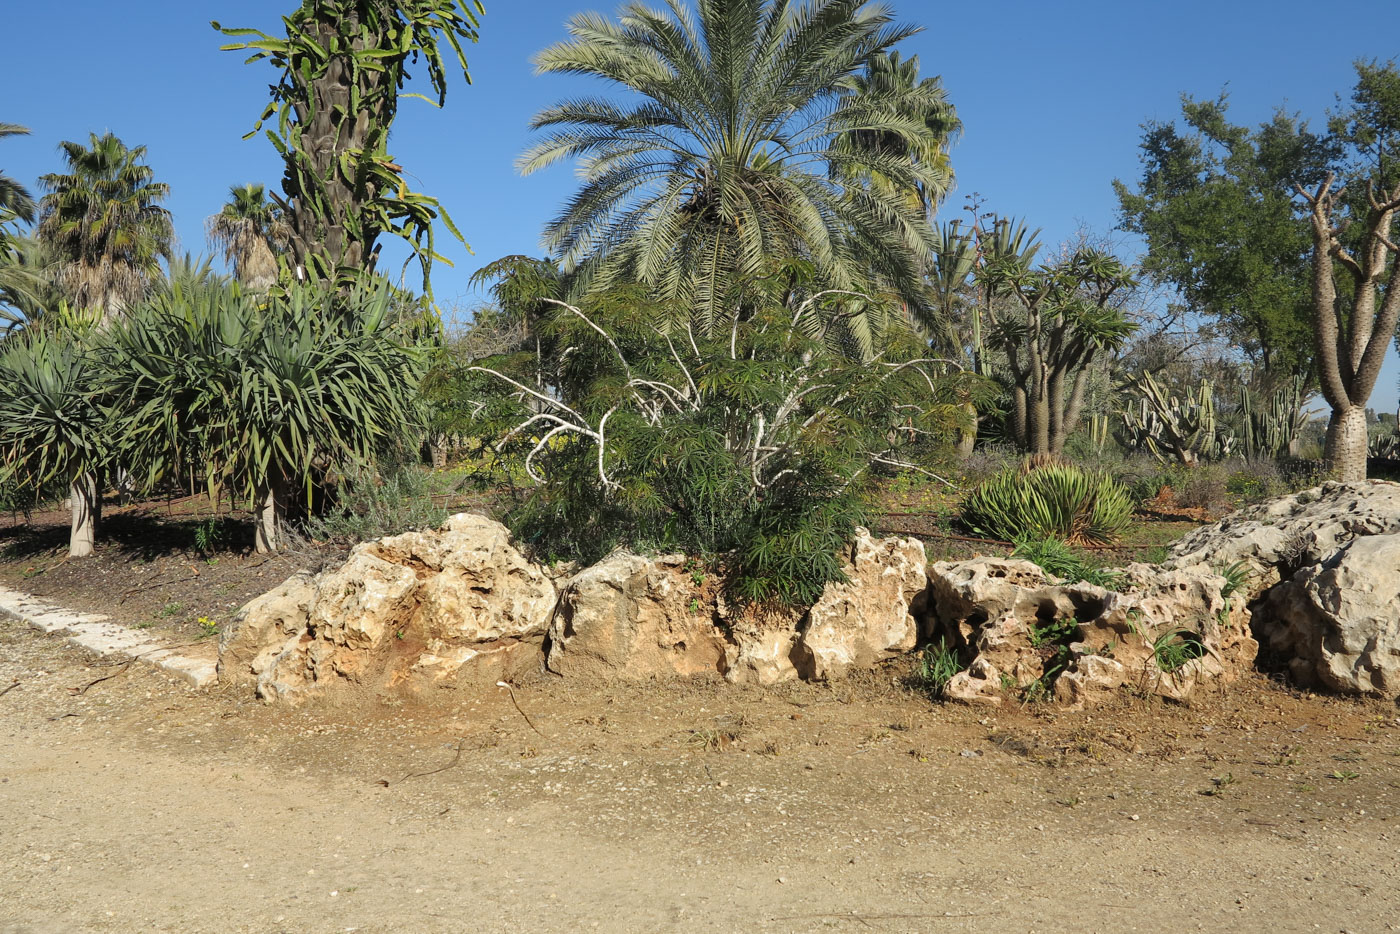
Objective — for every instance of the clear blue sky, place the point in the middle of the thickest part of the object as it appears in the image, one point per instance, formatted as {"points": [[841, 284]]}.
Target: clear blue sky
{"points": [[1052, 95]]}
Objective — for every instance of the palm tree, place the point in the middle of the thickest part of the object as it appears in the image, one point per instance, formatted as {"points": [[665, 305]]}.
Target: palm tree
{"points": [[892, 82], [104, 224], [727, 178], [251, 232], [23, 285], [15, 200]]}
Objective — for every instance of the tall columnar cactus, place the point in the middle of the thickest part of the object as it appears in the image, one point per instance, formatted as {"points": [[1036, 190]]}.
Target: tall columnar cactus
{"points": [[1184, 429], [1273, 430]]}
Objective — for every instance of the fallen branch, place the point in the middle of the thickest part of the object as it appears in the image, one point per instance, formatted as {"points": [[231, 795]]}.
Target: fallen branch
{"points": [[10, 688], [511, 691], [121, 669], [455, 759]]}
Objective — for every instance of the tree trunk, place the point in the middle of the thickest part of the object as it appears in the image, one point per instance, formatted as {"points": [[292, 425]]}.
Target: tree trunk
{"points": [[967, 435], [83, 496], [269, 514], [1039, 415], [1019, 419], [1346, 443]]}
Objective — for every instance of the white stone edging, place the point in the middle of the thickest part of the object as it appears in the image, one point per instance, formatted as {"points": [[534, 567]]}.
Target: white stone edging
{"points": [[99, 634]]}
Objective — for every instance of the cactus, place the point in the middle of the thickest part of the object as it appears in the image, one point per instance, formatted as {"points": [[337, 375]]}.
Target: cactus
{"points": [[1273, 431], [1186, 430]]}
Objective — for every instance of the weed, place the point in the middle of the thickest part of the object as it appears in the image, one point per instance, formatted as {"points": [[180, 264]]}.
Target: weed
{"points": [[1218, 785], [207, 627], [936, 667], [1344, 775], [170, 609], [710, 740], [210, 535], [1175, 648]]}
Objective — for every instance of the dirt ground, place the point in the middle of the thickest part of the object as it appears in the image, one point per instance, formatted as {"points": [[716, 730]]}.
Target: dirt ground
{"points": [[140, 805]]}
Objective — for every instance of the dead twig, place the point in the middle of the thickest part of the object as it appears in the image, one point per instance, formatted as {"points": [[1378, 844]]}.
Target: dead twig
{"points": [[121, 669], [384, 782], [511, 691], [10, 688]]}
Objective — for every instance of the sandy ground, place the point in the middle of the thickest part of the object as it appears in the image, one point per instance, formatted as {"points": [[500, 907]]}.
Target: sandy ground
{"points": [[140, 805]]}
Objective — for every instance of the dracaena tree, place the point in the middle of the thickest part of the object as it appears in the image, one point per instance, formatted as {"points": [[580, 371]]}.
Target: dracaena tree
{"points": [[56, 416], [739, 154], [1063, 316], [343, 66], [262, 397]]}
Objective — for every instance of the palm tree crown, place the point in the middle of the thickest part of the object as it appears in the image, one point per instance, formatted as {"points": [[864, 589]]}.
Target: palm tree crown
{"points": [[251, 232], [15, 200], [103, 221], [728, 169]]}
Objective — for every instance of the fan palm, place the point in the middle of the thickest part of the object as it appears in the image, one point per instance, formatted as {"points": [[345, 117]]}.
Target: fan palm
{"points": [[103, 221], [251, 232], [15, 200], [727, 175]]}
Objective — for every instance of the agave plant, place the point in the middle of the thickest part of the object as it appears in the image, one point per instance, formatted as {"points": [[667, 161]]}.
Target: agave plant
{"points": [[1059, 501], [259, 398]]}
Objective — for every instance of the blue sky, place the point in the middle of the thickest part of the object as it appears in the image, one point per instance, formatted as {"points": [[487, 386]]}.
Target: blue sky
{"points": [[1052, 96]]}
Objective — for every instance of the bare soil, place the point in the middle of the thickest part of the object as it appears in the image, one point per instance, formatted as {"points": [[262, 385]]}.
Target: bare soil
{"points": [[140, 805]]}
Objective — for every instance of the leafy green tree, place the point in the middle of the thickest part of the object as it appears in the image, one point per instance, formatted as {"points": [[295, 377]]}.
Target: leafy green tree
{"points": [[342, 69], [1354, 219], [103, 224], [262, 397], [733, 177], [1215, 207], [251, 232]]}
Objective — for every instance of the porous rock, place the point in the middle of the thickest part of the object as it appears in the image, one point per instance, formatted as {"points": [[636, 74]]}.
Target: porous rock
{"points": [[633, 618], [1337, 624], [458, 604], [873, 616]]}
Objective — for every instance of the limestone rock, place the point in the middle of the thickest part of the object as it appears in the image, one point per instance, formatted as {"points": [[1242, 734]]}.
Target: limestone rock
{"points": [[1020, 629], [761, 655], [875, 615], [458, 604], [1338, 623], [1275, 539], [634, 618]]}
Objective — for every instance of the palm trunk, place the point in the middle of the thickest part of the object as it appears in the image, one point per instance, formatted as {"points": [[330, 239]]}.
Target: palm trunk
{"points": [[87, 510], [1346, 443]]}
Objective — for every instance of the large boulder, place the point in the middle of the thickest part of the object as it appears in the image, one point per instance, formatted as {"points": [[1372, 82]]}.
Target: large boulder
{"points": [[1337, 623], [1272, 541], [875, 615], [633, 618], [458, 604]]}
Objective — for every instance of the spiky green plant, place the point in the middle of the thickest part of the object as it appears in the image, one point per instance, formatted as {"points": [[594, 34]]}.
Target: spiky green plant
{"points": [[1059, 501], [1184, 429], [258, 398], [1058, 559]]}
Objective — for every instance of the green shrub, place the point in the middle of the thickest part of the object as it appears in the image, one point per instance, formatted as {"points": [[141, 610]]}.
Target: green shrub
{"points": [[1058, 501], [1172, 650], [1202, 487], [1058, 559]]}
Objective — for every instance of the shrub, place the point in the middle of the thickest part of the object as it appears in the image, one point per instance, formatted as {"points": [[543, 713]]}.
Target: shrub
{"points": [[370, 505], [1061, 501], [1203, 486], [936, 666], [759, 441]]}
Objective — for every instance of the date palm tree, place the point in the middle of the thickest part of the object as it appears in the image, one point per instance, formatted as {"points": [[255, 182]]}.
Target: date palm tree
{"points": [[727, 173], [251, 232], [103, 222], [23, 285], [15, 200]]}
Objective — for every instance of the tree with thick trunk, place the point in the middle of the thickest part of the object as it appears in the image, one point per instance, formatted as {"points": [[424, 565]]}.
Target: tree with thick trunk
{"points": [[1067, 319], [1352, 326], [343, 66]]}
